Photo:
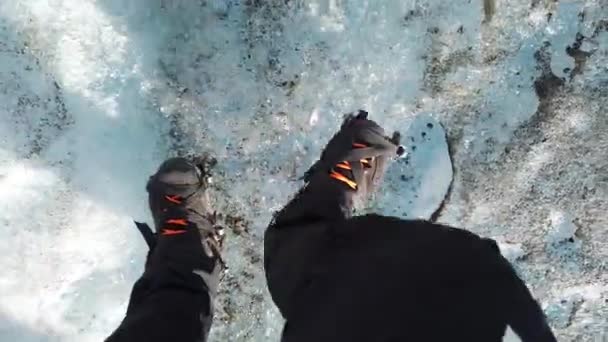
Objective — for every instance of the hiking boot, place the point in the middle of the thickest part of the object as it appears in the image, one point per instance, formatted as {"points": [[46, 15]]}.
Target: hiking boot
{"points": [[356, 158], [185, 224]]}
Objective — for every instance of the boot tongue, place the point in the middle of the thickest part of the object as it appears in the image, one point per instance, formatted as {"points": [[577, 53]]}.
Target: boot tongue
{"points": [[177, 184], [175, 177], [179, 178], [178, 171]]}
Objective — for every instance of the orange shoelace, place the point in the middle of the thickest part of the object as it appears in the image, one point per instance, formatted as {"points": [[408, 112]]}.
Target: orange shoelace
{"points": [[345, 166], [176, 221]]}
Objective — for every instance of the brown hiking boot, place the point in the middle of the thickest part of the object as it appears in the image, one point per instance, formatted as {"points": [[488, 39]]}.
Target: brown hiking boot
{"points": [[181, 212]]}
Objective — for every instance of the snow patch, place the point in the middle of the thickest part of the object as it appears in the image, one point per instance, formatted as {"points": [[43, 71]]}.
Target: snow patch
{"points": [[562, 227], [510, 336], [511, 251], [563, 33], [579, 305], [593, 292]]}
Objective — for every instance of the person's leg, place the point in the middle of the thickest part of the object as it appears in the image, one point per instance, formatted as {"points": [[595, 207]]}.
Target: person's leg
{"points": [[173, 300], [298, 238], [336, 277]]}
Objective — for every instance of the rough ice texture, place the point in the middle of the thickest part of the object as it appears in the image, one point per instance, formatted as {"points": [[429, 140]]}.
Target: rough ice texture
{"points": [[95, 94], [562, 228], [512, 251], [417, 183]]}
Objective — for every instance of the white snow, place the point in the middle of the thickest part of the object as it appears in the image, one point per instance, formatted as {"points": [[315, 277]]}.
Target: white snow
{"points": [[562, 228], [584, 303], [94, 94], [511, 251]]}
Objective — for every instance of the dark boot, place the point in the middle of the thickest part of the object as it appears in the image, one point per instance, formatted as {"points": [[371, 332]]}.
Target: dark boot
{"points": [[181, 212], [351, 167], [357, 156]]}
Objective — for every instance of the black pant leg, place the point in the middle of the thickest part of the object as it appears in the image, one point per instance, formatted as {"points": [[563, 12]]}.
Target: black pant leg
{"points": [[298, 239], [173, 300]]}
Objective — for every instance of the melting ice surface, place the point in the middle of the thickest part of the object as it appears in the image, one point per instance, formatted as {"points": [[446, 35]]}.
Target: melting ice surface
{"points": [[95, 94]]}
